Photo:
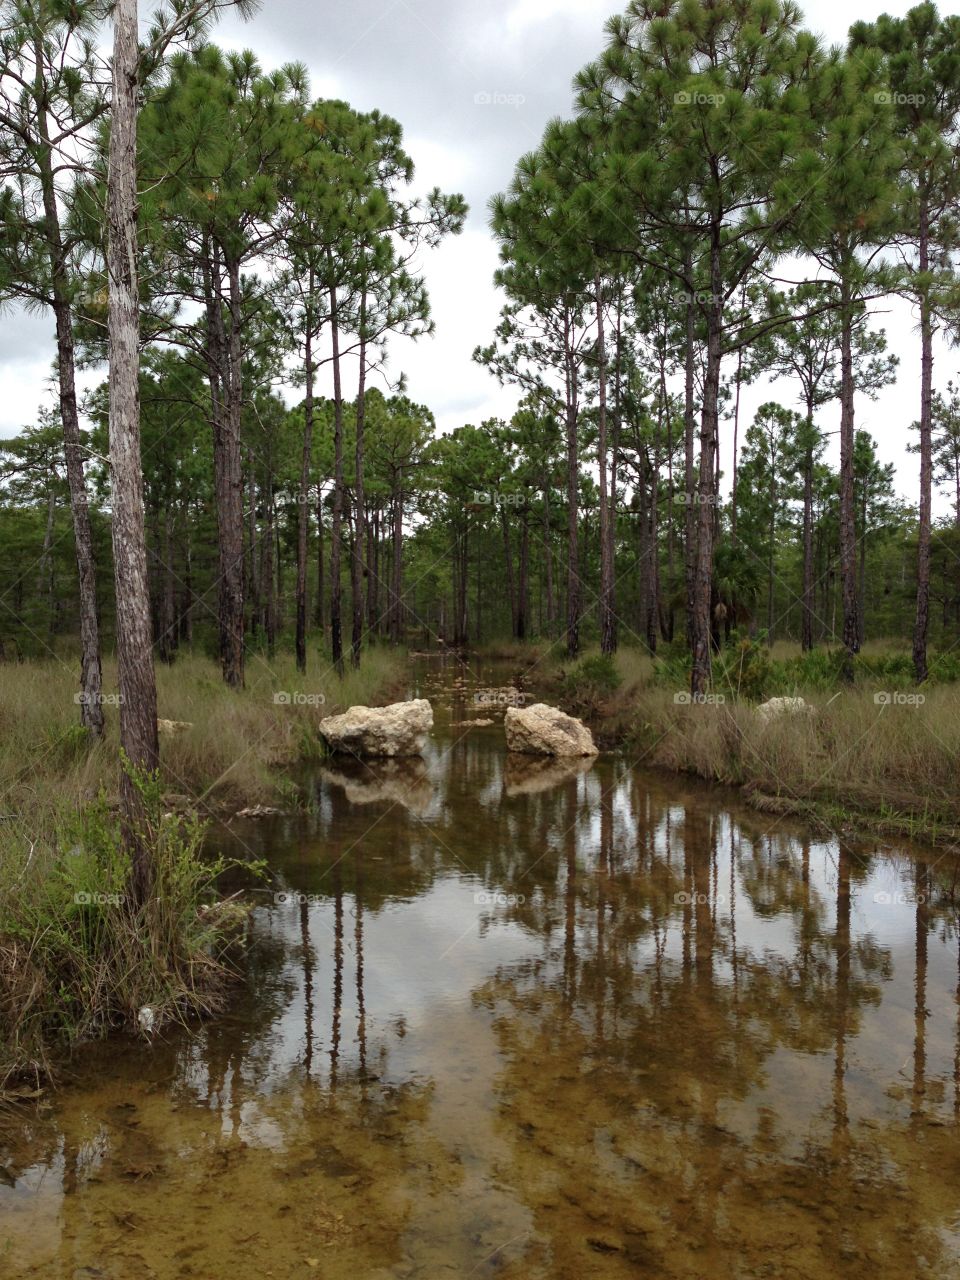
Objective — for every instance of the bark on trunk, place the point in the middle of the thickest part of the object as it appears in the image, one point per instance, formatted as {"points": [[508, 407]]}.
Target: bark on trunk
{"points": [[703, 583], [336, 589], [573, 480], [138, 693], [508, 568], [303, 513], [848, 541], [91, 680], [806, 626], [608, 635], [689, 430], [922, 619], [360, 523], [229, 491]]}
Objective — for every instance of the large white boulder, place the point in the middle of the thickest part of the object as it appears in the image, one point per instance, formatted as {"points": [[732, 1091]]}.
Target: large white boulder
{"points": [[398, 730], [547, 731], [777, 707]]}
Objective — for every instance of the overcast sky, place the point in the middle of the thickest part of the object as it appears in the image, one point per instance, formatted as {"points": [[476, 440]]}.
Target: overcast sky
{"points": [[473, 83]]}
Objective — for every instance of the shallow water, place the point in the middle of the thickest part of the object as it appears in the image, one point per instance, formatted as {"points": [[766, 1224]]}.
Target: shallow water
{"points": [[523, 1019]]}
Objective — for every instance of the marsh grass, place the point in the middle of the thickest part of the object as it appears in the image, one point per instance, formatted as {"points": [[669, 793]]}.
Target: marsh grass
{"points": [[880, 752], [75, 958], [230, 753]]}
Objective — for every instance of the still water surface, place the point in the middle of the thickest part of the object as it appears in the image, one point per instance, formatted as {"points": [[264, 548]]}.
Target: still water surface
{"points": [[531, 1020]]}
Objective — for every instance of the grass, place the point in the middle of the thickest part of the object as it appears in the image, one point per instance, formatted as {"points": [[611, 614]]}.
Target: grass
{"points": [[76, 959], [880, 754], [230, 755], [886, 766]]}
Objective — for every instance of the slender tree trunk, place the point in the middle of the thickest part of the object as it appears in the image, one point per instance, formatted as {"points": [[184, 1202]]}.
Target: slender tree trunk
{"points": [[138, 692], [228, 483], [336, 588], [318, 612], [689, 430], [806, 636], [548, 558], [848, 566], [703, 584], [522, 584], [736, 433], [303, 513], [91, 679], [573, 481], [655, 618], [356, 561], [252, 582], [373, 572], [168, 619], [922, 620], [44, 568], [508, 568], [396, 617], [771, 564], [608, 637]]}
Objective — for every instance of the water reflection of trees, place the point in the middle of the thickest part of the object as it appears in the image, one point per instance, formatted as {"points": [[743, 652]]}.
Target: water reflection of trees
{"points": [[686, 960]]}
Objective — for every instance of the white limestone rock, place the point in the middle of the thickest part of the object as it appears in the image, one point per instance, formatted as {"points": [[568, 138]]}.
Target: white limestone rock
{"points": [[777, 707], [547, 731], [397, 730]]}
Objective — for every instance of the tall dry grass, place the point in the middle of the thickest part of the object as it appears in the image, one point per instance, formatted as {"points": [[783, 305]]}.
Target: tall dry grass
{"points": [[889, 764], [76, 958]]}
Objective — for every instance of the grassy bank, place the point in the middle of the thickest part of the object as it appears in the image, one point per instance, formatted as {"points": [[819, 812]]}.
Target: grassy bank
{"points": [[880, 754], [75, 958]]}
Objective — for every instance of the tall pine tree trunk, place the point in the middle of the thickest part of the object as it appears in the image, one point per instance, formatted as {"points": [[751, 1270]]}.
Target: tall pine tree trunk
{"points": [[608, 635], [229, 492], [508, 569], [336, 531], [303, 514], [703, 582], [91, 681], [806, 626], [523, 575], [356, 560], [573, 481], [848, 540], [689, 430], [922, 620], [138, 692]]}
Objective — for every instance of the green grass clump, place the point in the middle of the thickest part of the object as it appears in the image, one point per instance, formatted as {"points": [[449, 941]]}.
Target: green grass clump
{"points": [[79, 957]]}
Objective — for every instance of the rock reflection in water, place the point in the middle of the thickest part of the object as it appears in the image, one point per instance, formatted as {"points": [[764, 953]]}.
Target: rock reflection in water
{"points": [[402, 781], [619, 1027], [527, 775]]}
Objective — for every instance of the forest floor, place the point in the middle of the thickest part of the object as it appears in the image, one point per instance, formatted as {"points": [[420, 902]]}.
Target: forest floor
{"points": [[881, 755]]}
